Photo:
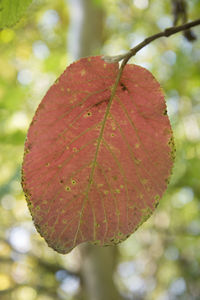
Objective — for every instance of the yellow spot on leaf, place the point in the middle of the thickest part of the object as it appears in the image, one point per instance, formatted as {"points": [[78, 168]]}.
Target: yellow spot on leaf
{"points": [[137, 161], [75, 149], [88, 114], [144, 181], [113, 125], [121, 186], [137, 146], [83, 72], [106, 192], [99, 185], [117, 191], [67, 188], [68, 90]]}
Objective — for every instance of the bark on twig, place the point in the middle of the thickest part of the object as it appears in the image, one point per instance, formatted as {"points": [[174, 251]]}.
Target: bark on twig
{"points": [[166, 33], [125, 57]]}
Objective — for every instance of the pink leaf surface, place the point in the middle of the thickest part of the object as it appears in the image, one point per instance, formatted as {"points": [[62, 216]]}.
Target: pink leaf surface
{"points": [[95, 166]]}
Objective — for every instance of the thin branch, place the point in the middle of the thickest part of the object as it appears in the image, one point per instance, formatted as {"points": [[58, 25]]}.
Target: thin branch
{"points": [[125, 57], [166, 33]]}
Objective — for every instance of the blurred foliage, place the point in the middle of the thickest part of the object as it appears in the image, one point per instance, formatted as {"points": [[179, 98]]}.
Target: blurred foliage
{"points": [[161, 260], [11, 11]]}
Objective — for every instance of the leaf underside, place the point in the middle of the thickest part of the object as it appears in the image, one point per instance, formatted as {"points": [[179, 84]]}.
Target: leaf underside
{"points": [[95, 166], [11, 11]]}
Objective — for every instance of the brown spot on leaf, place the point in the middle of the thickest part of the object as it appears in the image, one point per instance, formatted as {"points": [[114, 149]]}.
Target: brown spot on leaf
{"points": [[101, 102], [124, 88]]}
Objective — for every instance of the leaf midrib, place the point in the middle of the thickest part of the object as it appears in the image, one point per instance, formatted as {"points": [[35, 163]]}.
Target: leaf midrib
{"points": [[113, 89]]}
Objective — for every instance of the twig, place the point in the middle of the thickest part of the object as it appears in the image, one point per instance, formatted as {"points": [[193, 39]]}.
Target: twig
{"points": [[125, 57], [166, 33]]}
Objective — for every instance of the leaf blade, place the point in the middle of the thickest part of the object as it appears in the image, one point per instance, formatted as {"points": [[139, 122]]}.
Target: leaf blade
{"points": [[104, 154]]}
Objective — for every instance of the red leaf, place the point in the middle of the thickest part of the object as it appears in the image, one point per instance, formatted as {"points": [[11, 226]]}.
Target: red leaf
{"points": [[95, 167]]}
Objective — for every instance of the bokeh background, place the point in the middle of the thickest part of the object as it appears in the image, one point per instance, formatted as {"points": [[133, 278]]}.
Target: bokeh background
{"points": [[161, 261]]}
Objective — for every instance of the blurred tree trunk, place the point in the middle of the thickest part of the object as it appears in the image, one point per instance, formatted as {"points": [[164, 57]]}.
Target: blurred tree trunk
{"points": [[91, 34], [98, 263]]}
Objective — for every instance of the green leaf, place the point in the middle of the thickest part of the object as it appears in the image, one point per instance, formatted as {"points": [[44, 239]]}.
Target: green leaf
{"points": [[11, 11]]}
